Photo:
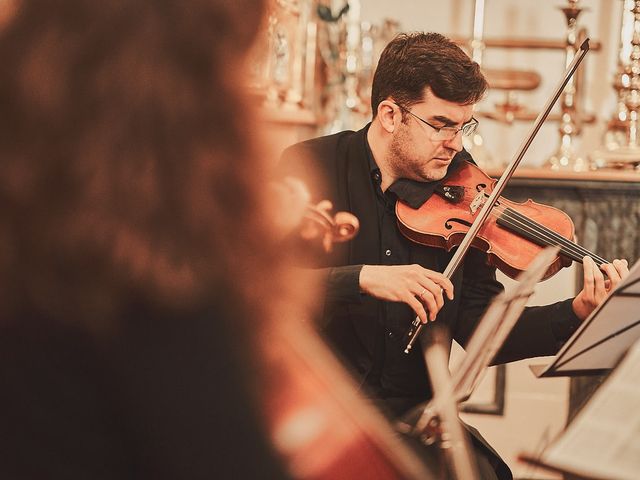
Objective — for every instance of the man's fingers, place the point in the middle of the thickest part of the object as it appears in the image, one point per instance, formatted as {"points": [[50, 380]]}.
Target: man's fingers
{"points": [[622, 267], [433, 290], [418, 307], [594, 285], [600, 289], [612, 273], [598, 276], [616, 271], [429, 300], [444, 283], [422, 289], [588, 277]]}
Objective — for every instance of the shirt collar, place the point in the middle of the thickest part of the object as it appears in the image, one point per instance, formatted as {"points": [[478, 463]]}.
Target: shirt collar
{"points": [[415, 193], [412, 192]]}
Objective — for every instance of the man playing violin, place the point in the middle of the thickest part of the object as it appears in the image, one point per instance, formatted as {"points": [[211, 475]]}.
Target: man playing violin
{"points": [[423, 96]]}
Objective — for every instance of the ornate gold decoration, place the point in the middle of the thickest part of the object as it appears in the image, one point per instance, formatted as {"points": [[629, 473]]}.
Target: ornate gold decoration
{"points": [[284, 64], [621, 147], [566, 157]]}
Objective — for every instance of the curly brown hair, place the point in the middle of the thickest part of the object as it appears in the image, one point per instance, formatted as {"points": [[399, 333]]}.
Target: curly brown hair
{"points": [[126, 164], [412, 62]]}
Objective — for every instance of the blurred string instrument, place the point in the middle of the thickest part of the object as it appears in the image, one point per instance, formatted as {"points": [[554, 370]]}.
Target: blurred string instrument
{"points": [[318, 423], [300, 220], [476, 215], [318, 223]]}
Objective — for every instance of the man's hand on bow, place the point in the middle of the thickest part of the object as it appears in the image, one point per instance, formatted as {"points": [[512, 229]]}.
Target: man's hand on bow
{"points": [[414, 285]]}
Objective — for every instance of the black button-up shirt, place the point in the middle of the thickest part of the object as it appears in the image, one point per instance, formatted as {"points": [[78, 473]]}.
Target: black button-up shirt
{"points": [[368, 334], [395, 374]]}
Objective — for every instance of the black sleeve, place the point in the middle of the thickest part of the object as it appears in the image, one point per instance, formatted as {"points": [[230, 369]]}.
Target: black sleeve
{"points": [[337, 287], [540, 330], [343, 285], [479, 287]]}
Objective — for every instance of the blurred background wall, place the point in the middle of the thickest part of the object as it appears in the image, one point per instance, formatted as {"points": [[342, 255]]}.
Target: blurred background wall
{"points": [[312, 73]]}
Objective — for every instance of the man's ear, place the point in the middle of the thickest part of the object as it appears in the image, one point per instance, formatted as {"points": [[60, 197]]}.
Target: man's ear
{"points": [[389, 115]]}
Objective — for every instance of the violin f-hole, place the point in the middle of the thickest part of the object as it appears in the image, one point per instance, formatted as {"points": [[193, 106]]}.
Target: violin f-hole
{"points": [[448, 223]]}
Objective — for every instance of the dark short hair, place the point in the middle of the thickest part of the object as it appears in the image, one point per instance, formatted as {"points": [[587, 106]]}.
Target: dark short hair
{"points": [[413, 61]]}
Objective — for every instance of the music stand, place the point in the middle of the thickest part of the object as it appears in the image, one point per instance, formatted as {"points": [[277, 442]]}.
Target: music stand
{"points": [[602, 440], [487, 339], [602, 339]]}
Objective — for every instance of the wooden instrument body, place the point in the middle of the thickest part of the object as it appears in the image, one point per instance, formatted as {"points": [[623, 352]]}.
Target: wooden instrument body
{"points": [[443, 224]]}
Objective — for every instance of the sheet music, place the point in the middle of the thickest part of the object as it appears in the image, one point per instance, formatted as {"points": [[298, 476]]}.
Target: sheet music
{"points": [[603, 441]]}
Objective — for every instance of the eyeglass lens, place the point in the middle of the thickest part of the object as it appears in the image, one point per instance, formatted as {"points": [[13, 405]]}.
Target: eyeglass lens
{"points": [[447, 133]]}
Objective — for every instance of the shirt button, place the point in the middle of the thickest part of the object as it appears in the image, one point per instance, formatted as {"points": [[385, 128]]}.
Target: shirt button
{"points": [[387, 253], [390, 334], [376, 176]]}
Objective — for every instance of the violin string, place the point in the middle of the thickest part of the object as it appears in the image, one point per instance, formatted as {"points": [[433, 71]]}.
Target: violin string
{"points": [[508, 217], [541, 233], [550, 237], [569, 246], [500, 212], [567, 250]]}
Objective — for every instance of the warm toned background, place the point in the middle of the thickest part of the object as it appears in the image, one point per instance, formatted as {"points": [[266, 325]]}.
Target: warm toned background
{"points": [[534, 410]]}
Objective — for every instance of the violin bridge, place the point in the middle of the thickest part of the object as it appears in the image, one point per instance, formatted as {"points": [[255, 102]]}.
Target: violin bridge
{"points": [[478, 202]]}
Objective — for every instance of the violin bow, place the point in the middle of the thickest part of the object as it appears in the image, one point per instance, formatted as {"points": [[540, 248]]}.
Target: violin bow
{"points": [[416, 326]]}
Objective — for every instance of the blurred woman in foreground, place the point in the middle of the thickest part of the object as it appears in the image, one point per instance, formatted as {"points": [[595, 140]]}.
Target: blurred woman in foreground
{"points": [[135, 243]]}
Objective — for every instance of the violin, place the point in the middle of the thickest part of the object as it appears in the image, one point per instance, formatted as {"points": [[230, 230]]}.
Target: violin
{"points": [[513, 234]]}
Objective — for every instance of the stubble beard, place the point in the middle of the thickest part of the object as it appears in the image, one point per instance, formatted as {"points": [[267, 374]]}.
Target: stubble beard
{"points": [[405, 165]]}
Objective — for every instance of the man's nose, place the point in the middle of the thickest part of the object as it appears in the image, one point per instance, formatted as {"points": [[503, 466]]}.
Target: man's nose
{"points": [[456, 142]]}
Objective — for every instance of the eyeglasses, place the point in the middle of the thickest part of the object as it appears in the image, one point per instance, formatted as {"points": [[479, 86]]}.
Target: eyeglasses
{"points": [[446, 133]]}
